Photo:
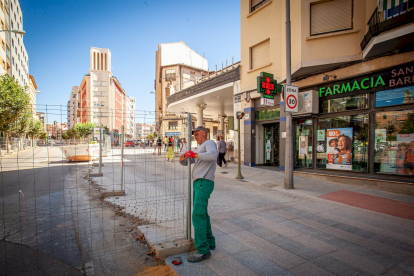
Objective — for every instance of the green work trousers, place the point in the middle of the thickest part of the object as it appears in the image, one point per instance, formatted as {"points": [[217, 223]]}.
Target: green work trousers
{"points": [[203, 237]]}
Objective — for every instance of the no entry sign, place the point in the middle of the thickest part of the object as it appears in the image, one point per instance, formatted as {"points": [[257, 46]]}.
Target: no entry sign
{"points": [[291, 98]]}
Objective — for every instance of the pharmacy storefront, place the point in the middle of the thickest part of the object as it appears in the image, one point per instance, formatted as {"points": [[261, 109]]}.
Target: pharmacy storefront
{"points": [[364, 124]]}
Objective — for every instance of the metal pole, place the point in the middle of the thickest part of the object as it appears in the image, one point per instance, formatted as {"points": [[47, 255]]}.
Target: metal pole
{"points": [[100, 150], [122, 157], [288, 183], [239, 175], [189, 135]]}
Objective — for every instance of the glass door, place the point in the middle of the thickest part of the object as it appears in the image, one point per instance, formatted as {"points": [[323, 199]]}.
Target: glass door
{"points": [[271, 144]]}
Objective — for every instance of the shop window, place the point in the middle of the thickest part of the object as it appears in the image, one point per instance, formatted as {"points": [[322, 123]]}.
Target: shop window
{"points": [[342, 143], [255, 4], [396, 96], [169, 75], [260, 55], [267, 114], [331, 16], [344, 104], [394, 142], [304, 139]]}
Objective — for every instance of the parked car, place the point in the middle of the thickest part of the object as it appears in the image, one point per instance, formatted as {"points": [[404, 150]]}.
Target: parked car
{"points": [[129, 144]]}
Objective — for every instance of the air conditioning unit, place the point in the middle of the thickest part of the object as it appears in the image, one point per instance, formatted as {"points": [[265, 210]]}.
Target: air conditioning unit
{"points": [[308, 103]]}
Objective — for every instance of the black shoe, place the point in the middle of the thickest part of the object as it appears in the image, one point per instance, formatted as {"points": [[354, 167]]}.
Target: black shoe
{"points": [[195, 258], [213, 247]]}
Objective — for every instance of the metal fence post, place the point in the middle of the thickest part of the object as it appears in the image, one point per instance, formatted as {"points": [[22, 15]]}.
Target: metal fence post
{"points": [[239, 175], [189, 135], [122, 157], [100, 150]]}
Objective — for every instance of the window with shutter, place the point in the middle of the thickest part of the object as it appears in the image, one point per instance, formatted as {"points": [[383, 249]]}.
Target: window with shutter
{"points": [[331, 16], [260, 55], [255, 4]]}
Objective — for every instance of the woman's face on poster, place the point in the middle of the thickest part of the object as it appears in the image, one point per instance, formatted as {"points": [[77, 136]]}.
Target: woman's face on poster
{"points": [[342, 143], [412, 145]]}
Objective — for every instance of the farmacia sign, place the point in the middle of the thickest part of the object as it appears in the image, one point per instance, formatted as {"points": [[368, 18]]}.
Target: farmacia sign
{"points": [[400, 76]]}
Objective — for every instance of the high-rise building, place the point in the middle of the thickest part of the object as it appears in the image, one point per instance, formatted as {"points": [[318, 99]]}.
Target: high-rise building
{"points": [[101, 98], [32, 89], [130, 117]]}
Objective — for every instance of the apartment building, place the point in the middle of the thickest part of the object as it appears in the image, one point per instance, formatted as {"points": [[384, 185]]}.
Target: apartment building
{"points": [[72, 107], [32, 89], [177, 67], [353, 63], [42, 118], [101, 98], [130, 117], [144, 130], [14, 59]]}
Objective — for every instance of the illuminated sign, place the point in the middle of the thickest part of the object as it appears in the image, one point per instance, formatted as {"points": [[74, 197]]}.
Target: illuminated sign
{"points": [[266, 85]]}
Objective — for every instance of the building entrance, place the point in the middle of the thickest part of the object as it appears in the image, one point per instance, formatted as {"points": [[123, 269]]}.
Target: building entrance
{"points": [[271, 144]]}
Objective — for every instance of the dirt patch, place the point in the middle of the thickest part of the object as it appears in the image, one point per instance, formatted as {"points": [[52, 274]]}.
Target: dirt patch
{"points": [[160, 270]]}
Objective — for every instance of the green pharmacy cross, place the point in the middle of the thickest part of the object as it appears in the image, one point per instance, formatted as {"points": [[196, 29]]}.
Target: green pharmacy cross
{"points": [[267, 86]]}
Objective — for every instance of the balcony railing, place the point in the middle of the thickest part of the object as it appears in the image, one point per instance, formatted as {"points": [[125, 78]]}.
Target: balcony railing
{"points": [[387, 20]]}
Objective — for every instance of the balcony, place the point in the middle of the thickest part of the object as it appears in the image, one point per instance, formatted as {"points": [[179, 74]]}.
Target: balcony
{"points": [[389, 31]]}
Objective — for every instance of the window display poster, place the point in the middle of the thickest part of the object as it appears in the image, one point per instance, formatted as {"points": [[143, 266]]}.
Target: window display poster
{"points": [[339, 148], [321, 135], [380, 135], [303, 144]]}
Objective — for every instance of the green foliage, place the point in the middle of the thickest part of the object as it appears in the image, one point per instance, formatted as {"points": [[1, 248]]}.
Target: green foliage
{"points": [[35, 128], [83, 130], [14, 104], [408, 125]]}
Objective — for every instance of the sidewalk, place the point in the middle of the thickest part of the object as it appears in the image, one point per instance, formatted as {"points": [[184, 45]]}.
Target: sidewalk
{"points": [[319, 228]]}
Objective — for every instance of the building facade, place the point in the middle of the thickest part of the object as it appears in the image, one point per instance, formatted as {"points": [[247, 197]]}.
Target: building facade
{"points": [[177, 67], [102, 100], [32, 89], [144, 130], [72, 107], [356, 86]]}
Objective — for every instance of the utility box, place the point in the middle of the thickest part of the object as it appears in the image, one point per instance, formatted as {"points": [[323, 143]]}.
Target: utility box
{"points": [[231, 122]]}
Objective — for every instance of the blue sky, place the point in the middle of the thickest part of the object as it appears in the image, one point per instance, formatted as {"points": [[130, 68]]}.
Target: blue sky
{"points": [[60, 34]]}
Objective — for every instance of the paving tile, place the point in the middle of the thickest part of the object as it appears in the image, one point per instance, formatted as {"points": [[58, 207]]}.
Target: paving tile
{"points": [[226, 244], [271, 216], [407, 266], [309, 269], [315, 244], [223, 264], [226, 226], [354, 238], [274, 253], [298, 249], [190, 269], [359, 262], [241, 222], [394, 243], [285, 214], [336, 267], [383, 259], [318, 235], [312, 216], [273, 226], [354, 230], [259, 265]]}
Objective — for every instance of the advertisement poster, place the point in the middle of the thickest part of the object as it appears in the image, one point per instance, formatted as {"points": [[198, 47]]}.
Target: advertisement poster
{"points": [[339, 148], [321, 135], [380, 135], [303, 144]]}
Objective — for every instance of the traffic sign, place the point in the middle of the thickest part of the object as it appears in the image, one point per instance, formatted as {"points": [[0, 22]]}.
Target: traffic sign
{"points": [[291, 98]]}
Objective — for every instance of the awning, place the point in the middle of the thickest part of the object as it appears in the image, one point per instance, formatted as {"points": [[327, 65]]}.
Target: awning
{"points": [[384, 5]]}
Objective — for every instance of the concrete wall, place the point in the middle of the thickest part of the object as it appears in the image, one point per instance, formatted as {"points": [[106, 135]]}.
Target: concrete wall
{"points": [[180, 53]]}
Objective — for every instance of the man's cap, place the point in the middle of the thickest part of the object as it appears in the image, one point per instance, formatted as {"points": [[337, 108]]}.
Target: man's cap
{"points": [[200, 128]]}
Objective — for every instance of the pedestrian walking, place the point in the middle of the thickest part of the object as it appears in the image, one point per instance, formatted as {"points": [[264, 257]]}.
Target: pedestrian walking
{"points": [[178, 144], [165, 143], [203, 185], [170, 151], [184, 147], [222, 149], [159, 144]]}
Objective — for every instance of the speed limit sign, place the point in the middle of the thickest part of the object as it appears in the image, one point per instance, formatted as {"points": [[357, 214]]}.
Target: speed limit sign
{"points": [[291, 98]]}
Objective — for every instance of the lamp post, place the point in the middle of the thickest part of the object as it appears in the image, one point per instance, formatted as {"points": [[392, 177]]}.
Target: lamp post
{"points": [[239, 115]]}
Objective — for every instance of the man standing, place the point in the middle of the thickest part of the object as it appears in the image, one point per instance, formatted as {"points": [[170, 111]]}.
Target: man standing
{"points": [[203, 185], [159, 142], [222, 149]]}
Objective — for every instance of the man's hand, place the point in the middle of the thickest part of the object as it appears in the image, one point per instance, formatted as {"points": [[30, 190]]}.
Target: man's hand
{"points": [[191, 154], [182, 158]]}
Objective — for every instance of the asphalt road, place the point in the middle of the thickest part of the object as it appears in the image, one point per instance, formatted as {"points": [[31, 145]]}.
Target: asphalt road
{"points": [[66, 229]]}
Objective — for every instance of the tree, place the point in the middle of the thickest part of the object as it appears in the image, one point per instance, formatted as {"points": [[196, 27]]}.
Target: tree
{"points": [[14, 102], [408, 125], [84, 129]]}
